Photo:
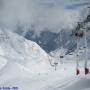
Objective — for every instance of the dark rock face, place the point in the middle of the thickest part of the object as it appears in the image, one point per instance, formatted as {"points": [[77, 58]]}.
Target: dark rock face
{"points": [[50, 41]]}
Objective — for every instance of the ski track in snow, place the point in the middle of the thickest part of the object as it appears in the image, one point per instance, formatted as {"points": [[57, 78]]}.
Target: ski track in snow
{"points": [[60, 84], [73, 83], [80, 84]]}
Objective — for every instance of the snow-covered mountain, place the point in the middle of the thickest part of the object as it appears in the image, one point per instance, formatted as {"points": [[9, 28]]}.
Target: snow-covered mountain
{"points": [[25, 66], [50, 41], [16, 48]]}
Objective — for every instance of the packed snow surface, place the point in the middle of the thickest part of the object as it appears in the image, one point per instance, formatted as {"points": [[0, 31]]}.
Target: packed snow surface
{"points": [[25, 65]]}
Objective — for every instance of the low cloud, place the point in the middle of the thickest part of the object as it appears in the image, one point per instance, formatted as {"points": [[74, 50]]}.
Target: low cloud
{"points": [[39, 13]]}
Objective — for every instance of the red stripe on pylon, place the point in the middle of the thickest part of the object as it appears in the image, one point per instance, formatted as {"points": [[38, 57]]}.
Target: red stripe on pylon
{"points": [[77, 71], [86, 71]]}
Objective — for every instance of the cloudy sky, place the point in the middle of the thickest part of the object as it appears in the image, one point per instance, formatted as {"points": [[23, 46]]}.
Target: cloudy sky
{"points": [[52, 14]]}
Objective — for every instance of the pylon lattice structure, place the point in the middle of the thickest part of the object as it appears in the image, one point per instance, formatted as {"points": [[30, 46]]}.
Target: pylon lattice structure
{"points": [[79, 33]]}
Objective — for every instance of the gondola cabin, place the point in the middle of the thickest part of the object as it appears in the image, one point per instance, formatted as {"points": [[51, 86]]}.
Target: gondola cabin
{"points": [[62, 56], [79, 34]]}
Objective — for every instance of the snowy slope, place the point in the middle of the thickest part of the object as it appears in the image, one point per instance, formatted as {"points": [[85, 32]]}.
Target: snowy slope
{"points": [[81, 84], [25, 65], [23, 62], [3, 62], [16, 48], [56, 53], [12, 70], [14, 74]]}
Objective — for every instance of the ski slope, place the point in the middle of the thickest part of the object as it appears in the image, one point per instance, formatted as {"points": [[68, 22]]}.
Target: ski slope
{"points": [[25, 65], [14, 74], [63, 79], [16, 48]]}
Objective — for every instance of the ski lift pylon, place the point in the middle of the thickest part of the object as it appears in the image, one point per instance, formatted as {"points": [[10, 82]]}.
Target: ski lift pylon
{"points": [[86, 59], [85, 50], [77, 58], [79, 32]]}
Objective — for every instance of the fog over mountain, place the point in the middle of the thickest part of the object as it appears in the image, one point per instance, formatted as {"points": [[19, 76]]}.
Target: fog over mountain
{"points": [[35, 18], [54, 15]]}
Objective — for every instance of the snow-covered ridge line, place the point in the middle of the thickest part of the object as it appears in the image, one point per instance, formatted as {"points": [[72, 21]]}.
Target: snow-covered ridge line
{"points": [[16, 48]]}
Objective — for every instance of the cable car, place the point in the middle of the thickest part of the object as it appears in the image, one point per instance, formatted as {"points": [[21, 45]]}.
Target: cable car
{"points": [[62, 56], [79, 34]]}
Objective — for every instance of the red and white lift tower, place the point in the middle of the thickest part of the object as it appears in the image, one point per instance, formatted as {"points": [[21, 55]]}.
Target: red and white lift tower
{"points": [[80, 34]]}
